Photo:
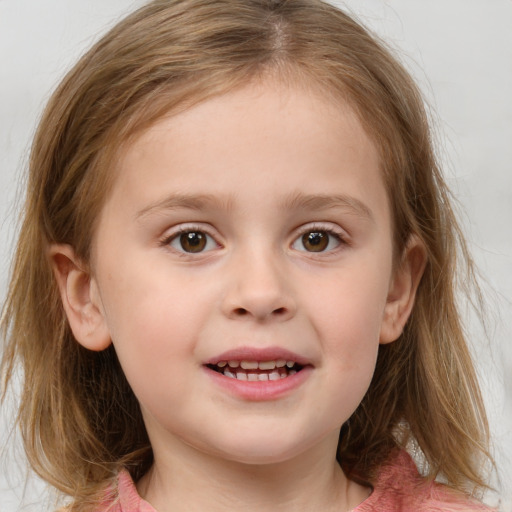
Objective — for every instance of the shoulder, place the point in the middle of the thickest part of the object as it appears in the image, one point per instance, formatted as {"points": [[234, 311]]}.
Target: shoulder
{"points": [[400, 488]]}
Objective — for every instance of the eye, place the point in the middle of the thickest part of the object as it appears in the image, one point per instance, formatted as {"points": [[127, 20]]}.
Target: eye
{"points": [[317, 240], [192, 241]]}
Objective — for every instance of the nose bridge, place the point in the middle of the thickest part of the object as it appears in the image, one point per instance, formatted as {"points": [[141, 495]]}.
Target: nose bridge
{"points": [[259, 286]]}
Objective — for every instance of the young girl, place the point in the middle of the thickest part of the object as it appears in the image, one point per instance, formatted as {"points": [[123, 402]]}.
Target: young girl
{"points": [[235, 282]]}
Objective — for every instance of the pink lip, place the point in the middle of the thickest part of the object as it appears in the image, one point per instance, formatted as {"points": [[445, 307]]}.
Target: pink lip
{"points": [[260, 390], [258, 354]]}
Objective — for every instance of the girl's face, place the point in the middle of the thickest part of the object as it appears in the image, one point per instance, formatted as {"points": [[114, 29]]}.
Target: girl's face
{"points": [[245, 236]]}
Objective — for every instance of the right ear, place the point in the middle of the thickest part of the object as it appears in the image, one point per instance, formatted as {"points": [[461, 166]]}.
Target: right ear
{"points": [[80, 298]]}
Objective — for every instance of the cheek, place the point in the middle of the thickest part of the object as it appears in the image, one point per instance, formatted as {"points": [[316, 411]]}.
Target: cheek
{"points": [[154, 322], [347, 310], [146, 301], [353, 301]]}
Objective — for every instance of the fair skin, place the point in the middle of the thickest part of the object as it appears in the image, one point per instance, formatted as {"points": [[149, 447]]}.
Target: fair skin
{"points": [[253, 228]]}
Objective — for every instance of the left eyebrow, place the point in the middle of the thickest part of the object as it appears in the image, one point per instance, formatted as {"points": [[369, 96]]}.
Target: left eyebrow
{"points": [[315, 202]]}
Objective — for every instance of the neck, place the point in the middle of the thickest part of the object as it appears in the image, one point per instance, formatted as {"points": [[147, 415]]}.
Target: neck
{"points": [[184, 479]]}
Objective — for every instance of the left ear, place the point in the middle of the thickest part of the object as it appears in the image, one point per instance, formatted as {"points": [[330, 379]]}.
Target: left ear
{"points": [[402, 290]]}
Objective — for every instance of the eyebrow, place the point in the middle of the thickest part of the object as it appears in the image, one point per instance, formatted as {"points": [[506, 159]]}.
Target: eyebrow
{"points": [[186, 201], [314, 202], [297, 201]]}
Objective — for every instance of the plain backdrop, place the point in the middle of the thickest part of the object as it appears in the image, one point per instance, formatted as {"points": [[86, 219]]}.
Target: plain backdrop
{"points": [[460, 51]]}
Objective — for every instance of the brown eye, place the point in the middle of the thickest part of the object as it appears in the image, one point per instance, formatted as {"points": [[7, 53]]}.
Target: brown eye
{"points": [[315, 241], [193, 241]]}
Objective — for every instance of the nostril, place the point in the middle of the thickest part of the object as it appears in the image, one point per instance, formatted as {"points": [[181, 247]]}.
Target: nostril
{"points": [[260, 313]]}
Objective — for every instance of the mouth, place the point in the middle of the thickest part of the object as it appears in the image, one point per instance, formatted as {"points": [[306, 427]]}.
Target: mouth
{"points": [[256, 374], [257, 371]]}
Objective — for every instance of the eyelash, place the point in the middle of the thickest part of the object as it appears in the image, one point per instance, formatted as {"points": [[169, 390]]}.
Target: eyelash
{"points": [[332, 235], [168, 240]]}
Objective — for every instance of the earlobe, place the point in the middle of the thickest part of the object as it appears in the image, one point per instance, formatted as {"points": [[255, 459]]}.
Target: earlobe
{"points": [[402, 290], [80, 298]]}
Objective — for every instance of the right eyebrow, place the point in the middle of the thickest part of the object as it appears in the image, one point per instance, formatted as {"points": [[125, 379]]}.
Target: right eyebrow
{"points": [[185, 201]]}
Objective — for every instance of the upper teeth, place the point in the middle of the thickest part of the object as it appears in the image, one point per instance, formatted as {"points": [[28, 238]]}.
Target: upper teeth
{"points": [[257, 365]]}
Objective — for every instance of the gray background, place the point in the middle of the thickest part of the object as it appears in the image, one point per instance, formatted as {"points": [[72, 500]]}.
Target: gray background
{"points": [[460, 51]]}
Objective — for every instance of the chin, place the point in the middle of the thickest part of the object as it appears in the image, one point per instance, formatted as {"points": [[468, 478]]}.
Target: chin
{"points": [[263, 450]]}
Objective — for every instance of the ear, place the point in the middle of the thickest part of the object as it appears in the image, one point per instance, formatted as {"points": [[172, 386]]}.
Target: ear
{"points": [[80, 298], [402, 290]]}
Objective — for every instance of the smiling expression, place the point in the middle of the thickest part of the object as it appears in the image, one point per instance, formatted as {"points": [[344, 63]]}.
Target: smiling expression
{"points": [[242, 268]]}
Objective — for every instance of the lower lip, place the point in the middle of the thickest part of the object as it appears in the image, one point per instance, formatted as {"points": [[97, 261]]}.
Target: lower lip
{"points": [[260, 391]]}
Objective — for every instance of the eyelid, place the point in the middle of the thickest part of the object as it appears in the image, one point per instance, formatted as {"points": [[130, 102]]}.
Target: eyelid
{"points": [[330, 227]]}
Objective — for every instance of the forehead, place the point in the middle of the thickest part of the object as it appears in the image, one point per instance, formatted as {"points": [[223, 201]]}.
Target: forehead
{"points": [[284, 116], [265, 137]]}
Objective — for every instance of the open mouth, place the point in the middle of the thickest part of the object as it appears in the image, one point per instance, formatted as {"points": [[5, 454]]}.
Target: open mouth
{"points": [[256, 371]]}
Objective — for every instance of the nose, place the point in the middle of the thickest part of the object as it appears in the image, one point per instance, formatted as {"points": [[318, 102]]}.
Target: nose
{"points": [[259, 289]]}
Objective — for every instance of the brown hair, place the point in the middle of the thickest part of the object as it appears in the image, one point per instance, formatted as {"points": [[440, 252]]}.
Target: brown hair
{"points": [[78, 417]]}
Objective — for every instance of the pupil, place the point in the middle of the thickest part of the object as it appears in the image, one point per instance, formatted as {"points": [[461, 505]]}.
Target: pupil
{"points": [[193, 241], [315, 241]]}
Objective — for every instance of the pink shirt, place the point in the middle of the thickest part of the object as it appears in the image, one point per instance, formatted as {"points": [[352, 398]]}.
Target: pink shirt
{"points": [[399, 488]]}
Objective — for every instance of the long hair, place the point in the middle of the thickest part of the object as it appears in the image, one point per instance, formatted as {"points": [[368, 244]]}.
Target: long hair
{"points": [[79, 419]]}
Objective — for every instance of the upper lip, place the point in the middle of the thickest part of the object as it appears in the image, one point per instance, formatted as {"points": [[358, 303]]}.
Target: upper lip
{"points": [[258, 354]]}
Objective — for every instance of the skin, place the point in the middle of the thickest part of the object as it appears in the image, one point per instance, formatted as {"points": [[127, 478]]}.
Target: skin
{"points": [[252, 171]]}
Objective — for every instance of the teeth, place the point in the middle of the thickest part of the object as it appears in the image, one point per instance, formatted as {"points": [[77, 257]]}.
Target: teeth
{"points": [[270, 370], [249, 365], [255, 365]]}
